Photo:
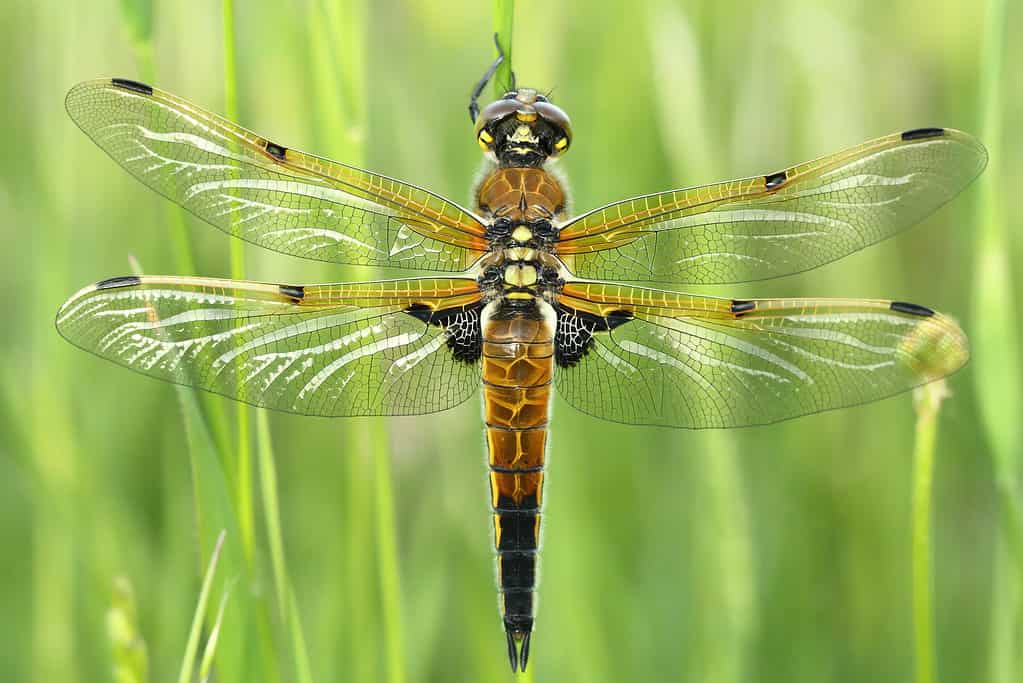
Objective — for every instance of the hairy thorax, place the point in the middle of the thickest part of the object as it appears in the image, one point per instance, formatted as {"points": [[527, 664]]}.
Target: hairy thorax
{"points": [[522, 208], [522, 195]]}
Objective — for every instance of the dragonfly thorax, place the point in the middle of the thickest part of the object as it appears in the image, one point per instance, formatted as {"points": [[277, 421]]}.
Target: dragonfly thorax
{"points": [[521, 274]]}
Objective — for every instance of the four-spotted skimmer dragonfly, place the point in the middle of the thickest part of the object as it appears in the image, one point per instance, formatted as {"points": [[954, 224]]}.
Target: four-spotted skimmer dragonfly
{"points": [[528, 297]]}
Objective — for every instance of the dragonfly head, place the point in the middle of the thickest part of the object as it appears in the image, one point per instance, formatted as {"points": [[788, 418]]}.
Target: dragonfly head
{"points": [[523, 128]]}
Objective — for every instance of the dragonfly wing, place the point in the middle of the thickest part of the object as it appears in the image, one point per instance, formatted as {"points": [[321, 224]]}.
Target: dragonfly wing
{"points": [[267, 194], [375, 348], [680, 360], [776, 224]]}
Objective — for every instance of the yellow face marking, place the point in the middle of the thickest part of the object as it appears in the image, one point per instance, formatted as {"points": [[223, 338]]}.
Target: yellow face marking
{"points": [[523, 134], [486, 137], [527, 116], [561, 144], [522, 234]]}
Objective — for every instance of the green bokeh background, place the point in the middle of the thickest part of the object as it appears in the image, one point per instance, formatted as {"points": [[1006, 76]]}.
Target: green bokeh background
{"points": [[769, 554]]}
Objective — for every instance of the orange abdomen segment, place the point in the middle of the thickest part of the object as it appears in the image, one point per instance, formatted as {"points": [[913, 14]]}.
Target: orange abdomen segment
{"points": [[518, 366]]}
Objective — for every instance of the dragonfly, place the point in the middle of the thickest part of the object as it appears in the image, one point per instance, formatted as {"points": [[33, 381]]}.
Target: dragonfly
{"points": [[516, 295]]}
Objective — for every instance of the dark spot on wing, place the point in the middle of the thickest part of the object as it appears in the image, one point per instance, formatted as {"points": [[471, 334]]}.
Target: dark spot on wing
{"points": [[573, 337], [460, 324], [117, 282], [616, 318], [295, 292], [923, 133], [740, 307], [912, 309], [421, 311], [134, 86], [774, 180], [275, 150]]}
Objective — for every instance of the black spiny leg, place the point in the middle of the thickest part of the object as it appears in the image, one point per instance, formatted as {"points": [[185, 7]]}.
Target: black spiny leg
{"points": [[474, 108]]}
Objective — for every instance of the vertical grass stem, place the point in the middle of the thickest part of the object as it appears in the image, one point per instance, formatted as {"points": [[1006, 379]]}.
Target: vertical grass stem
{"points": [[927, 401]]}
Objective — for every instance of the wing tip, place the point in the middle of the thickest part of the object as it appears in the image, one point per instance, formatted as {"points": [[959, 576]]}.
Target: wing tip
{"points": [[937, 345], [951, 134]]}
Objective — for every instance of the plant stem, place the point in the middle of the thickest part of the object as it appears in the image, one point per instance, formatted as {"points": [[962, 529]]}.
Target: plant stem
{"points": [[927, 400], [997, 368], [192, 647], [243, 459], [387, 551], [504, 18], [275, 541]]}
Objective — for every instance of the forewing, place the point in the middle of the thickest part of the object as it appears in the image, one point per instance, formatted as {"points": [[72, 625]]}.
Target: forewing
{"points": [[778, 224], [331, 350], [262, 192], [698, 362]]}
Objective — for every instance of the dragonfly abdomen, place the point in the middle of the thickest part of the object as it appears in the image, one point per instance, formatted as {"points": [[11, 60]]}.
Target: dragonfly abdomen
{"points": [[518, 367]]}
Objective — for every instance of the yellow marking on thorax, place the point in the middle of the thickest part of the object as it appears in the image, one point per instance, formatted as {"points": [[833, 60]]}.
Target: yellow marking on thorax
{"points": [[520, 254], [520, 275]]}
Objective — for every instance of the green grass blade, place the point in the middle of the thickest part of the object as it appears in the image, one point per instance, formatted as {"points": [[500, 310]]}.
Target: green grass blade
{"points": [[504, 19], [717, 649], [336, 58], [206, 666], [387, 553], [338, 50], [243, 449], [996, 357], [275, 540], [138, 21], [194, 633]]}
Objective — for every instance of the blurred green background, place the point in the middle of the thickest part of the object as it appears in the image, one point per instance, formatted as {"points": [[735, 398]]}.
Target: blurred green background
{"points": [[769, 554]]}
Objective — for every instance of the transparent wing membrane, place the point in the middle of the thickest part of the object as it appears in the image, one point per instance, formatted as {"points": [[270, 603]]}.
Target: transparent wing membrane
{"points": [[262, 192], [698, 362], [778, 224], [331, 350]]}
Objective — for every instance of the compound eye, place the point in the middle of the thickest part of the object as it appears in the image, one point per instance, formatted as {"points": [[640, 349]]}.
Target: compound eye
{"points": [[492, 114], [559, 119]]}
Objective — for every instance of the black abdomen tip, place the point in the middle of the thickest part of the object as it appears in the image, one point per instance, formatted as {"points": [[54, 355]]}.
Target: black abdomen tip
{"points": [[134, 86], [923, 133], [518, 649], [912, 309], [118, 282]]}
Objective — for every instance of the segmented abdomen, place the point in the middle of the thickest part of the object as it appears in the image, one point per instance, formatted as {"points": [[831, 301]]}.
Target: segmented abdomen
{"points": [[518, 365]]}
